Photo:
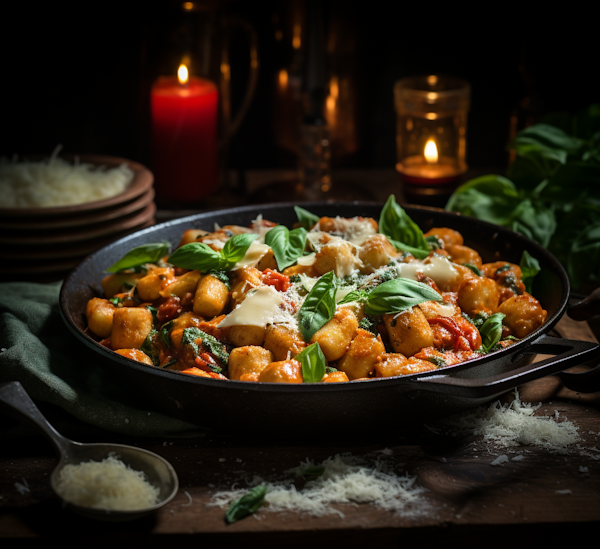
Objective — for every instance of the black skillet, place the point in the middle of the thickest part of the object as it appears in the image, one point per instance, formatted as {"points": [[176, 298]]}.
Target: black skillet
{"points": [[271, 408]]}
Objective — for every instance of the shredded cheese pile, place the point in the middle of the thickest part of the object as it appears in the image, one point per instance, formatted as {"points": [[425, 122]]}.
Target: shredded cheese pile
{"points": [[515, 424], [108, 484], [56, 182], [346, 479]]}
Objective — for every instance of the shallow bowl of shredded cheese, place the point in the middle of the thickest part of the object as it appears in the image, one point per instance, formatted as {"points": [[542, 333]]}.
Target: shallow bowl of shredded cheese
{"points": [[59, 185]]}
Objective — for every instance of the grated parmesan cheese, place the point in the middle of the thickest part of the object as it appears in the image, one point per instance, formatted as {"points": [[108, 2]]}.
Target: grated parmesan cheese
{"points": [[108, 484], [515, 424], [56, 182], [346, 479]]}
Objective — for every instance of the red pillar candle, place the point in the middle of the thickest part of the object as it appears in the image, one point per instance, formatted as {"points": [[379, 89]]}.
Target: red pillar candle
{"points": [[184, 138]]}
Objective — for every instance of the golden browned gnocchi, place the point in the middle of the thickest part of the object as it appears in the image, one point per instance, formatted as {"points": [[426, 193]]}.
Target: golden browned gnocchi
{"points": [[334, 301]]}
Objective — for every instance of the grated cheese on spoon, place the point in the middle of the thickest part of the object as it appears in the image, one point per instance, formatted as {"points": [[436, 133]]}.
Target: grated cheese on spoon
{"points": [[108, 484]]}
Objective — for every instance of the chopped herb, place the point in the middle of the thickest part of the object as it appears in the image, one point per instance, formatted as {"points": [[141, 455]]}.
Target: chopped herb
{"points": [[438, 361], [222, 276], [434, 242], [149, 347], [165, 332], [209, 343], [504, 267], [170, 362], [369, 324], [473, 268]]}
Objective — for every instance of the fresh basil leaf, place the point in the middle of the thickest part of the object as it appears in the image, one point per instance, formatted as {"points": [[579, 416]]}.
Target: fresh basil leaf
{"points": [[287, 245], [530, 266], [355, 295], [201, 257], [140, 255], [491, 198], [586, 122], [306, 219], [401, 230], [235, 249], [583, 260], [196, 256], [548, 139], [247, 504], [313, 363], [534, 220], [399, 295], [313, 471], [491, 331], [318, 306]]}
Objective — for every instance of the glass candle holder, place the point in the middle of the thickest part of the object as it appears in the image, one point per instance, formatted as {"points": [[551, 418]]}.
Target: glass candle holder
{"points": [[431, 134]]}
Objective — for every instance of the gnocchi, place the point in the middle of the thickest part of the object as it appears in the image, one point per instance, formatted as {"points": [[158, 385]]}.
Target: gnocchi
{"points": [[335, 301]]}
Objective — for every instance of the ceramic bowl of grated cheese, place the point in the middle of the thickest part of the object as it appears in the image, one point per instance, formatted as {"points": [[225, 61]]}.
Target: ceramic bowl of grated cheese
{"points": [[56, 210], [68, 184]]}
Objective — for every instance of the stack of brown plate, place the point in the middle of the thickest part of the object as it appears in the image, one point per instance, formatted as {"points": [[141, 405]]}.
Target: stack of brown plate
{"points": [[45, 244]]}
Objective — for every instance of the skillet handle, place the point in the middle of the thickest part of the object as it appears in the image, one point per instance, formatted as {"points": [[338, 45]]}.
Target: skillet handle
{"points": [[567, 353]]}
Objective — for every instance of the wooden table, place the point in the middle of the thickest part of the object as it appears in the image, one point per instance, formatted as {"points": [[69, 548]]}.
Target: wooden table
{"points": [[544, 497]]}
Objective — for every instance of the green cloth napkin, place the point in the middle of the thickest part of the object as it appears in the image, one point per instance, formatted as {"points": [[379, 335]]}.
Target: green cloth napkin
{"points": [[54, 367]]}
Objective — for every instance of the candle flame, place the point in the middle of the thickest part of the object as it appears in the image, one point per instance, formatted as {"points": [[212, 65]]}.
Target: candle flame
{"points": [[431, 152], [182, 74], [283, 78]]}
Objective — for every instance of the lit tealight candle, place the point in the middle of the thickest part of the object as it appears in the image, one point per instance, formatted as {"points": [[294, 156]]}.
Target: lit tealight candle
{"points": [[429, 168], [184, 137]]}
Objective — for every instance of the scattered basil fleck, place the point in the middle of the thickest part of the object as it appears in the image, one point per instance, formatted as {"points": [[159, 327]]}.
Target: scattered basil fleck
{"points": [[247, 504], [473, 268], [149, 347], [313, 363], [399, 295], [438, 361], [147, 253]]}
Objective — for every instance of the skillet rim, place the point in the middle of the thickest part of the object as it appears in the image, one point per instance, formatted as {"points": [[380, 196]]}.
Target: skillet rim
{"points": [[513, 352]]}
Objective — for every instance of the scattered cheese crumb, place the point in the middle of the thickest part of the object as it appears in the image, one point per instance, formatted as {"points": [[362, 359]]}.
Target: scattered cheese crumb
{"points": [[344, 479], [189, 499], [499, 460], [563, 492], [23, 488]]}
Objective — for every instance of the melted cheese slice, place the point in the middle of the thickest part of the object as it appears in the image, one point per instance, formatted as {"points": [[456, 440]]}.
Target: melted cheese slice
{"points": [[260, 308], [438, 268], [254, 254]]}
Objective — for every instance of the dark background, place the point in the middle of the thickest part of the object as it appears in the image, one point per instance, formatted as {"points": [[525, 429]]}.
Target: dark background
{"points": [[79, 74]]}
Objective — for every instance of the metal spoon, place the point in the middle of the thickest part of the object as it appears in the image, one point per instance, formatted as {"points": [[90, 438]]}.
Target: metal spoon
{"points": [[158, 471]]}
